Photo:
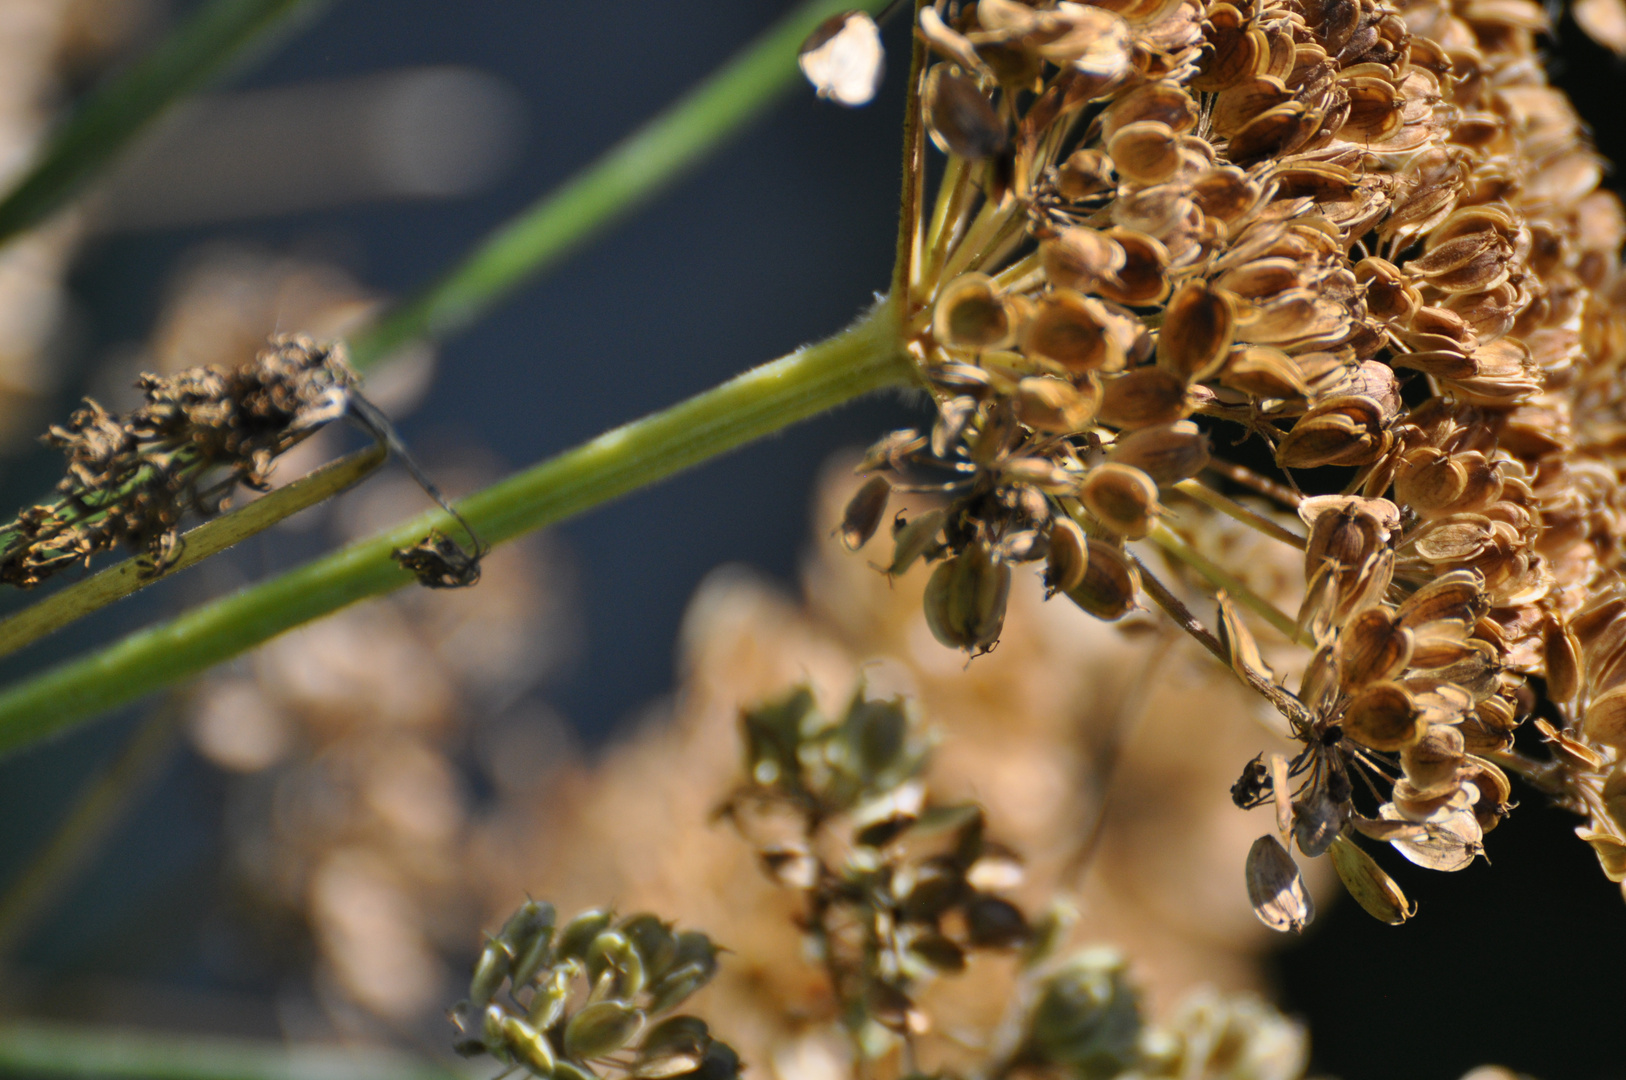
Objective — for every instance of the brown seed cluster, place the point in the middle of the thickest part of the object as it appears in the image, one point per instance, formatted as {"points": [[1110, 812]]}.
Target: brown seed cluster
{"points": [[1367, 238], [131, 479]]}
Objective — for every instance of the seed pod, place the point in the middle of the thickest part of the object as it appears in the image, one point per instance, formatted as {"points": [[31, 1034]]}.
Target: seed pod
{"points": [[969, 314], [1384, 717], [674, 1047], [1110, 583], [1372, 647], [528, 935], [1451, 838], [614, 968], [1263, 372], [1605, 718], [1458, 596], [529, 1047], [966, 597], [568, 1070], [1275, 888], [864, 511], [548, 1004], [960, 118], [654, 940], [1143, 397], [938, 952], [913, 540], [1067, 325], [1087, 1017], [1198, 326], [1122, 498], [492, 1034], [692, 968], [1238, 640], [1143, 278], [579, 933], [1145, 152], [1085, 173], [1432, 763], [489, 972], [992, 923], [1168, 453], [1055, 406], [1374, 890], [1067, 558], [601, 1028], [843, 59]]}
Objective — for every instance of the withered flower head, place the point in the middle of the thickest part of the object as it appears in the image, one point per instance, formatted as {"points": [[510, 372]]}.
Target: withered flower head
{"points": [[199, 433]]}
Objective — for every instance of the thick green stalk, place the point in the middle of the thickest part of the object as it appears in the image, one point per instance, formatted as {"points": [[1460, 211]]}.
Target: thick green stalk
{"points": [[864, 358], [625, 178], [72, 1050], [118, 111]]}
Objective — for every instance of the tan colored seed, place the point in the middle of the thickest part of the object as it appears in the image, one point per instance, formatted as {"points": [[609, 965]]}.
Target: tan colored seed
{"points": [[1275, 888], [1373, 889]]}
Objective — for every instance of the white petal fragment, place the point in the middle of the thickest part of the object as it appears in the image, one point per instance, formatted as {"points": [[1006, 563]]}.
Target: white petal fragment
{"points": [[843, 59]]}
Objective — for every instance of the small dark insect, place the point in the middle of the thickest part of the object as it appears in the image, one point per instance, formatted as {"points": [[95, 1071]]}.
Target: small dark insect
{"points": [[1250, 789], [439, 562]]}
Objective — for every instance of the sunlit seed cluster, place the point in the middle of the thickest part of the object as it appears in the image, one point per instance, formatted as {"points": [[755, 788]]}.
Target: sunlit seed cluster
{"points": [[1366, 239]]}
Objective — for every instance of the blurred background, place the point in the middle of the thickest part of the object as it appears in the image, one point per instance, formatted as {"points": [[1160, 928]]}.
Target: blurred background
{"points": [[307, 842]]}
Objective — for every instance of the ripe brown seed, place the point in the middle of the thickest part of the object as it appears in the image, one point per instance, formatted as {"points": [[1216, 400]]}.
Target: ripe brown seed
{"points": [[1122, 498], [864, 512]]}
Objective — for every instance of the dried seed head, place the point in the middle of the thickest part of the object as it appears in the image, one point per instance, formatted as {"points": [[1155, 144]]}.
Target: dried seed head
{"points": [[1198, 326], [1384, 717], [1167, 453]]}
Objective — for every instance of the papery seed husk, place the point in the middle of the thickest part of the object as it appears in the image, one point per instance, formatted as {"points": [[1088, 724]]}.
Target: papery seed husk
{"points": [[1145, 152], [1143, 397], [1142, 279], [1432, 764], [969, 314], [1074, 260], [1067, 558], [1275, 888], [1263, 372], [1451, 840], [1168, 453], [1383, 717], [1109, 585], [1239, 642], [960, 118], [1458, 595], [1198, 326], [864, 512], [1055, 406], [1122, 498], [912, 540], [1373, 889], [1372, 647], [1605, 718]]}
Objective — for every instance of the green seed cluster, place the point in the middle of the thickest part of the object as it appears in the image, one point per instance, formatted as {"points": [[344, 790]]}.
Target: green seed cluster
{"points": [[592, 998]]}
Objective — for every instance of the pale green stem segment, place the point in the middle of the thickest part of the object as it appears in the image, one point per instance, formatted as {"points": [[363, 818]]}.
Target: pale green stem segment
{"points": [[72, 1050], [97, 810], [212, 537], [1224, 579], [625, 178], [220, 32], [864, 358]]}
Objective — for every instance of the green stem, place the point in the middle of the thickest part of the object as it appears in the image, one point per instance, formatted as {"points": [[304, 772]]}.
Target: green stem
{"points": [[857, 361], [121, 579], [1224, 579], [626, 177], [121, 109], [73, 1050]]}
